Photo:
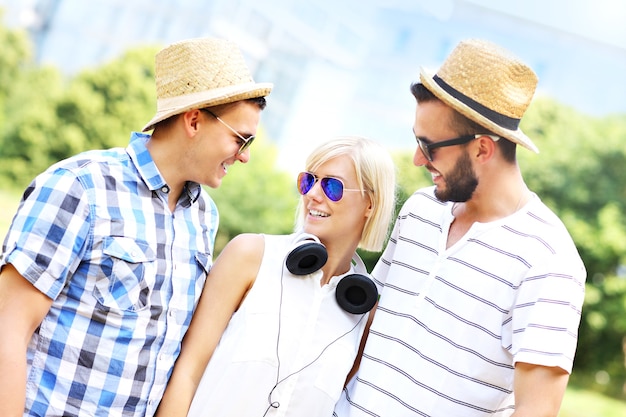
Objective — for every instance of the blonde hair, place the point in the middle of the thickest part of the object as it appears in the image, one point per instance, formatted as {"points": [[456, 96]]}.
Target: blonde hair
{"points": [[376, 175]]}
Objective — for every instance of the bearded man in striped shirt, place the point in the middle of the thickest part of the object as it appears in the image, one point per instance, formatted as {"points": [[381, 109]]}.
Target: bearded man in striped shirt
{"points": [[483, 286]]}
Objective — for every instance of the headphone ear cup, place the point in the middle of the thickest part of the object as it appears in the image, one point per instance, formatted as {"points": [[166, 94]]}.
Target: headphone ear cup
{"points": [[306, 258], [356, 293]]}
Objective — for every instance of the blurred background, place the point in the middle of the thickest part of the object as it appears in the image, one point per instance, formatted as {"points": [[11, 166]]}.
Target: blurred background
{"points": [[346, 66], [77, 75]]}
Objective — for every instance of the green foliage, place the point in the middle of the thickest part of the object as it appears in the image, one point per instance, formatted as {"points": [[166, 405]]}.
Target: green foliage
{"points": [[16, 53], [27, 97], [30, 135], [583, 403], [599, 363], [108, 102], [580, 174], [409, 177], [47, 118]]}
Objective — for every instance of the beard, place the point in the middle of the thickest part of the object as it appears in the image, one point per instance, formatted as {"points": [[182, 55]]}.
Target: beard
{"points": [[461, 182]]}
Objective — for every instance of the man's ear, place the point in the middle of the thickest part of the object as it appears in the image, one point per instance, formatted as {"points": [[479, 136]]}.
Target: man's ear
{"points": [[191, 120], [485, 148]]}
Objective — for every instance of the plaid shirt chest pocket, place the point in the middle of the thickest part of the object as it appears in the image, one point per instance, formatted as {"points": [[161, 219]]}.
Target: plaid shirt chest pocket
{"points": [[128, 268]]}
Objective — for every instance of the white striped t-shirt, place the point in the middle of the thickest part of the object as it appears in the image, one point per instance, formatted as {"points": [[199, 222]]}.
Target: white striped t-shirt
{"points": [[451, 323]]}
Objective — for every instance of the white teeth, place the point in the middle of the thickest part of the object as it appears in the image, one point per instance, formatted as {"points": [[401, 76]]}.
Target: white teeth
{"points": [[318, 213]]}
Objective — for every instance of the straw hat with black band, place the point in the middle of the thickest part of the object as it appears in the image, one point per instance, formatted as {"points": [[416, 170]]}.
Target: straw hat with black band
{"points": [[202, 72], [488, 85]]}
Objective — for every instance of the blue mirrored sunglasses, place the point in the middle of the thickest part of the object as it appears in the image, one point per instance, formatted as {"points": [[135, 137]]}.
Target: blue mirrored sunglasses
{"points": [[332, 187]]}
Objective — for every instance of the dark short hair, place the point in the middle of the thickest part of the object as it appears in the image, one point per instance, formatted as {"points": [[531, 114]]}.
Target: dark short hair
{"points": [[421, 93], [260, 101]]}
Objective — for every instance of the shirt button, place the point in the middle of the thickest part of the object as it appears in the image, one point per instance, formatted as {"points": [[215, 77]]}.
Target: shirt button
{"points": [[165, 189]]}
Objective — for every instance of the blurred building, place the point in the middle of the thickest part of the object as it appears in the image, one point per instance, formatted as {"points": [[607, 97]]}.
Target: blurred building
{"points": [[339, 67]]}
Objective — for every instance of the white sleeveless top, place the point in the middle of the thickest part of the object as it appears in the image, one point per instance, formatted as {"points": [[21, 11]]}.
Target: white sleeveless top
{"points": [[289, 344]]}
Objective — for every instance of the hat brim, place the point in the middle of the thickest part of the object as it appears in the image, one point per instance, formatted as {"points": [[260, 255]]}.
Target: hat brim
{"points": [[517, 136], [169, 107]]}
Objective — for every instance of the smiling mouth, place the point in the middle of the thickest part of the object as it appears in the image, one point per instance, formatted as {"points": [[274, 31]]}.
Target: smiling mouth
{"points": [[317, 213]]}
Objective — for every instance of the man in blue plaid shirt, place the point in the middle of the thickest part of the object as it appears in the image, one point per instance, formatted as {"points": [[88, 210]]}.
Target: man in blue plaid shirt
{"points": [[109, 250]]}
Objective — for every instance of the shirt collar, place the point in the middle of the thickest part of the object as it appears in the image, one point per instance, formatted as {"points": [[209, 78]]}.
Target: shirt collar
{"points": [[148, 170]]}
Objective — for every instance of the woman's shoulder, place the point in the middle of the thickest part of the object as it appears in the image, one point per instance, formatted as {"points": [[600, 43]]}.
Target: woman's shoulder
{"points": [[253, 245], [246, 244]]}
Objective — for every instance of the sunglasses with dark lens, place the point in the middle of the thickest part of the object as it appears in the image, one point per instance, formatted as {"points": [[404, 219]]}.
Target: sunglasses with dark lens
{"points": [[332, 187], [428, 147], [245, 142]]}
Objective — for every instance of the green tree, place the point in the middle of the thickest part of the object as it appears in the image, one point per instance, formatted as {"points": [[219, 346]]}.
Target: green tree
{"points": [[48, 118], [27, 137], [108, 102], [16, 53], [409, 177], [28, 97], [580, 174]]}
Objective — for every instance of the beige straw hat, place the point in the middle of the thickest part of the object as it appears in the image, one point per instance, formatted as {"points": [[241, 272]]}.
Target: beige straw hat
{"points": [[488, 85], [199, 73]]}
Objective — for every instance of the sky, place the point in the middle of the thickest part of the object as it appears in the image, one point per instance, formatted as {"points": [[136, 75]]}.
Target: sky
{"points": [[600, 20], [585, 71]]}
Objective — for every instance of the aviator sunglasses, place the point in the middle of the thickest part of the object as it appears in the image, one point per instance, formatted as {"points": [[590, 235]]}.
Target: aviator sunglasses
{"points": [[332, 187], [245, 142]]}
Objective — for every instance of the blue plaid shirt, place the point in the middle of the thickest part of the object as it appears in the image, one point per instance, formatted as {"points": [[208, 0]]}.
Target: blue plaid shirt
{"points": [[95, 234]]}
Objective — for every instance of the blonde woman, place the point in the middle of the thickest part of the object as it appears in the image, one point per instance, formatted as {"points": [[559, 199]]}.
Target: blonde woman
{"points": [[287, 342]]}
